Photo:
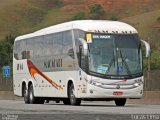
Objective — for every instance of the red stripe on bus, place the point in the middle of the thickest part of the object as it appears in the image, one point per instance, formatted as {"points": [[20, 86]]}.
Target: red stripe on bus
{"points": [[33, 70]]}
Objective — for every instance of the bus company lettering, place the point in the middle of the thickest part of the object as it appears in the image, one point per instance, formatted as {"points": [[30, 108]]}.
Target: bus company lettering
{"points": [[19, 66], [101, 36], [53, 63]]}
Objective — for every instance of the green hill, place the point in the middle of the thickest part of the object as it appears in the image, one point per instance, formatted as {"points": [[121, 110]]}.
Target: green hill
{"points": [[24, 16], [148, 26]]}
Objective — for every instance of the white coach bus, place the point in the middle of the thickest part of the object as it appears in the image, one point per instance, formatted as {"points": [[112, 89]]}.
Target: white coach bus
{"points": [[79, 60]]}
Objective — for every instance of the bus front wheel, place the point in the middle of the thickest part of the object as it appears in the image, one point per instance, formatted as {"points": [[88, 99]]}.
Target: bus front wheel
{"points": [[72, 97], [120, 102]]}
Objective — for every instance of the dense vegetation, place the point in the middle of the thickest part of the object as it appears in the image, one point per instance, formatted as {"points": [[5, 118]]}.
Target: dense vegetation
{"points": [[6, 51], [96, 12]]}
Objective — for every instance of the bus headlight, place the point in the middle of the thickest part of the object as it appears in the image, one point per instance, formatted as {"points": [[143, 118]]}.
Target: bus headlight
{"points": [[95, 83], [138, 82], [98, 84]]}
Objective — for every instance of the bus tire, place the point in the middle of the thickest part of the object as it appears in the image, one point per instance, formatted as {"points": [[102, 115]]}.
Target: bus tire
{"points": [[120, 102], [73, 100], [32, 98], [25, 94]]}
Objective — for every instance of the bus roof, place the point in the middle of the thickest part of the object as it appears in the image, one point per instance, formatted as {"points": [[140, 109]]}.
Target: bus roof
{"points": [[96, 26]]}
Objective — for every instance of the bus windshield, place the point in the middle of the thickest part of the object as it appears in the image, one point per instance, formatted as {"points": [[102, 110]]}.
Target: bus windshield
{"points": [[115, 56]]}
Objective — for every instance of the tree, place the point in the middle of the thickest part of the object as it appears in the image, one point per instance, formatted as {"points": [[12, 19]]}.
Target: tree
{"points": [[79, 16], [158, 19], [114, 18], [10, 39], [155, 59], [5, 54], [96, 11], [6, 50], [58, 3]]}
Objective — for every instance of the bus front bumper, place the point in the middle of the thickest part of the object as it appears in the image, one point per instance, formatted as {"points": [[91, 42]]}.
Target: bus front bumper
{"points": [[97, 92]]}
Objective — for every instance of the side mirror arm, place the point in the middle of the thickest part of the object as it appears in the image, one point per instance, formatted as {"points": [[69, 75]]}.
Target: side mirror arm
{"points": [[84, 45], [147, 46]]}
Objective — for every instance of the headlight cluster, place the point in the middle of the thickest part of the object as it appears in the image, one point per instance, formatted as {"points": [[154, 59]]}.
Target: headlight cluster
{"points": [[138, 82], [95, 83]]}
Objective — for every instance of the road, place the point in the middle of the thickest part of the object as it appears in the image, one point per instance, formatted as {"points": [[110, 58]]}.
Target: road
{"points": [[17, 110]]}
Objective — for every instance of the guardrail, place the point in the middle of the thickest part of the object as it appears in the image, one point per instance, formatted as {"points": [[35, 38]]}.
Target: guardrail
{"points": [[6, 84]]}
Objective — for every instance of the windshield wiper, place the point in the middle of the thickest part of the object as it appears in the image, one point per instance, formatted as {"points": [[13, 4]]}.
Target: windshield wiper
{"points": [[125, 64]]}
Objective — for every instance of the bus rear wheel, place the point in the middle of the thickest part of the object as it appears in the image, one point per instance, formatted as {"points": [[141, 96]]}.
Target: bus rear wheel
{"points": [[73, 100], [25, 94], [120, 102], [32, 99]]}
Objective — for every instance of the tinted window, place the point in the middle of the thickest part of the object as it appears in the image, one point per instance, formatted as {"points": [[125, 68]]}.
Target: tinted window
{"points": [[129, 41], [67, 43], [30, 47], [38, 46], [57, 43], [20, 49], [48, 43]]}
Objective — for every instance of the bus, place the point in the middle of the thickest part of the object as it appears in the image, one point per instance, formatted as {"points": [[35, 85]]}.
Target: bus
{"points": [[94, 60]]}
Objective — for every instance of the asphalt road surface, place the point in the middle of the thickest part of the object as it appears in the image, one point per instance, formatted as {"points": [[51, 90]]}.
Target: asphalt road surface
{"points": [[17, 110]]}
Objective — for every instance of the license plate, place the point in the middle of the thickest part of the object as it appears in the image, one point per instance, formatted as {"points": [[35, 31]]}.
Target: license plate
{"points": [[117, 93]]}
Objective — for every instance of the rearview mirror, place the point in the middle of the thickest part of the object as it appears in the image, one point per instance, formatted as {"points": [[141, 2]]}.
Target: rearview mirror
{"points": [[84, 46], [147, 46]]}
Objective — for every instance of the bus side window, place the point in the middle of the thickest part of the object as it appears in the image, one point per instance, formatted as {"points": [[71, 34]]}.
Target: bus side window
{"points": [[48, 43], [57, 43], [27, 54], [23, 49], [68, 44], [38, 46], [30, 46], [16, 49], [20, 50]]}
